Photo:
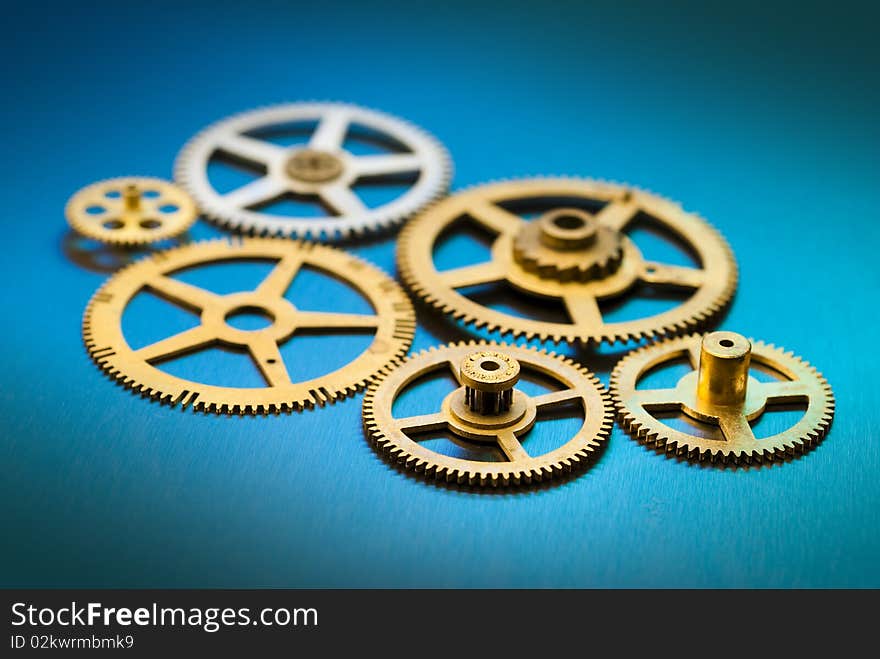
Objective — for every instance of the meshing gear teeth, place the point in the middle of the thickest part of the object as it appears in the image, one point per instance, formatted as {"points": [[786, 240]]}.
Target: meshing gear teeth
{"points": [[130, 211], [691, 397], [711, 285], [140, 369], [321, 170], [495, 418]]}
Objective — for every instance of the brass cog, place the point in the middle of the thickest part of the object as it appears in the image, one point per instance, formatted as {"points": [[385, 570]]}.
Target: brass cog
{"points": [[131, 210], [568, 244], [588, 270], [393, 322], [487, 409], [720, 394]]}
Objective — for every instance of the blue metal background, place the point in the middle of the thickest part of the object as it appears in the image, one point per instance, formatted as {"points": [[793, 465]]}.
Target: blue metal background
{"points": [[760, 116]]}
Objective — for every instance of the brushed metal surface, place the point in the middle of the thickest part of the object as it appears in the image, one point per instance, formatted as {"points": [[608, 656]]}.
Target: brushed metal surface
{"points": [[764, 125]]}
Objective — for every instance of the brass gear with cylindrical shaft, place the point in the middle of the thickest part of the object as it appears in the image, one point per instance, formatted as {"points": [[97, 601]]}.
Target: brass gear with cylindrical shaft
{"points": [[721, 393]]}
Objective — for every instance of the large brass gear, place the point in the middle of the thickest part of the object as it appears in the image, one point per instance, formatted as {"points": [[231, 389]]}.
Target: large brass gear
{"points": [[571, 255], [131, 210], [720, 393], [486, 410], [393, 322]]}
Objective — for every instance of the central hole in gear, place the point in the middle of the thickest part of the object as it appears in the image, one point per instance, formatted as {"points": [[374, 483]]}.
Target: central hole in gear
{"points": [[249, 319], [569, 222], [726, 343], [490, 365]]}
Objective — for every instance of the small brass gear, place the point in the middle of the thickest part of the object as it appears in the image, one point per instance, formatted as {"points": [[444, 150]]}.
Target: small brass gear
{"points": [[721, 394], [393, 324], [568, 244], [488, 410], [131, 210], [322, 170], [575, 256]]}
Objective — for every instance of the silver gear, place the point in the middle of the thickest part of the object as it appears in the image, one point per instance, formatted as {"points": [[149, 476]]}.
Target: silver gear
{"points": [[322, 168]]}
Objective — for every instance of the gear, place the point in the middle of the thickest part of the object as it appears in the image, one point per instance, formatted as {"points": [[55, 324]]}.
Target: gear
{"points": [[584, 246], [393, 323], [568, 245], [721, 395], [131, 211], [487, 410], [321, 170]]}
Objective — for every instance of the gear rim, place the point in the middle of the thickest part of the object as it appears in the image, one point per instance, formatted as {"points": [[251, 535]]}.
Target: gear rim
{"points": [[106, 344]]}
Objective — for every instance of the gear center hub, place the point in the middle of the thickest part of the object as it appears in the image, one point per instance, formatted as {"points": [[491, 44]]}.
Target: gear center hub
{"points": [[568, 244], [487, 401], [314, 166], [721, 385], [281, 313]]}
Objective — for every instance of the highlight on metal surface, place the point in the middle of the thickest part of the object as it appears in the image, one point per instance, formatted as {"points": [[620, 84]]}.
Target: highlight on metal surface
{"points": [[131, 210], [322, 171], [721, 393], [392, 325], [576, 253], [487, 410]]}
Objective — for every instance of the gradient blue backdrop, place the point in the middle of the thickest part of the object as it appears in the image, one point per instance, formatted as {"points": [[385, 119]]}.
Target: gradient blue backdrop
{"points": [[760, 116]]}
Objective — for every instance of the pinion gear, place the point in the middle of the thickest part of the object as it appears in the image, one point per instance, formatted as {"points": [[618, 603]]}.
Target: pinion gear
{"points": [[588, 269], [720, 399], [321, 170], [486, 409], [393, 324]]}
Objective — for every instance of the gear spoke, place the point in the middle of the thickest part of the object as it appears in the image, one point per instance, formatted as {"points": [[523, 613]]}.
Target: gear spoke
{"points": [[331, 131], [494, 218], [473, 275], [788, 391], [617, 214], [657, 399], [190, 296], [250, 149], [456, 371], [511, 446], [555, 398], [661, 274], [583, 310], [256, 192], [693, 353], [278, 281], [736, 427], [386, 164], [422, 422], [179, 344], [328, 320], [267, 356], [343, 200]]}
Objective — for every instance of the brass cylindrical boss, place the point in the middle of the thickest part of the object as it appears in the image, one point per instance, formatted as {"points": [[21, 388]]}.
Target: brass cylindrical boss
{"points": [[488, 378], [724, 369]]}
